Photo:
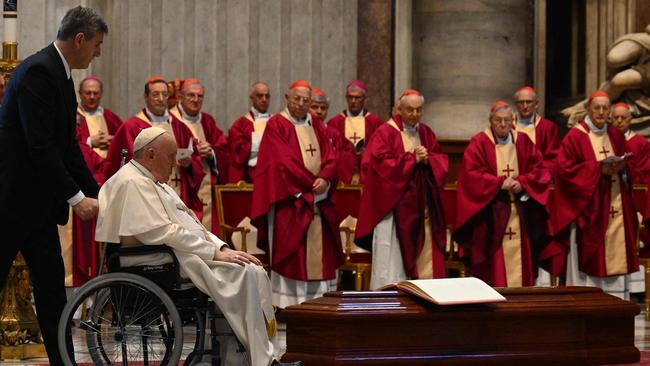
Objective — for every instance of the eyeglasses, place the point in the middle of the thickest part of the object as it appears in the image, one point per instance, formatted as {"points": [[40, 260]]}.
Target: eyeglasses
{"points": [[524, 102], [194, 96], [158, 95]]}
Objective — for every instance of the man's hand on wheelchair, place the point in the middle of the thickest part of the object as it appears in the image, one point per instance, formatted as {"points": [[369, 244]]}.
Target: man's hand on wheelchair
{"points": [[235, 256]]}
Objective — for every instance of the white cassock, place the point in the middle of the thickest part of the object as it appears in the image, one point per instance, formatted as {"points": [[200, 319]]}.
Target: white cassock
{"points": [[134, 208]]}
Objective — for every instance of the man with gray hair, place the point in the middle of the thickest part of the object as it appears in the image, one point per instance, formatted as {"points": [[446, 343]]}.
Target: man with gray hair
{"points": [[503, 189], [401, 214], [37, 144]]}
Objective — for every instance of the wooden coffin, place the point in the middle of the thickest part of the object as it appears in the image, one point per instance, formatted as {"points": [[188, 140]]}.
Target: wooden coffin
{"points": [[536, 326]]}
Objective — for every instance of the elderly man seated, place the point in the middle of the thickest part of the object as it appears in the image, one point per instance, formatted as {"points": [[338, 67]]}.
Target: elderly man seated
{"points": [[137, 207]]}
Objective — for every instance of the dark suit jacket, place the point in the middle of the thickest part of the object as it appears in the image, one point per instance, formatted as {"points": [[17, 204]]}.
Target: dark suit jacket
{"points": [[41, 165]]}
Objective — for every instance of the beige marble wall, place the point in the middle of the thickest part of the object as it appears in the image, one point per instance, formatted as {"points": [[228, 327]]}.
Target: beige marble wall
{"points": [[228, 44], [466, 55]]}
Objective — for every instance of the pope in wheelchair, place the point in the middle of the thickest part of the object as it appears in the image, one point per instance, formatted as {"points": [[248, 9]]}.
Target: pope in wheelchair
{"points": [[137, 207]]}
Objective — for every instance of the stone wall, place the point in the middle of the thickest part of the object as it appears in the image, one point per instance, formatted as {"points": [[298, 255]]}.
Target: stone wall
{"points": [[227, 44]]}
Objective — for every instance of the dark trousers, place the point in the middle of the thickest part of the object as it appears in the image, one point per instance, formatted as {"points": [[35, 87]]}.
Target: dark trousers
{"points": [[42, 252]]}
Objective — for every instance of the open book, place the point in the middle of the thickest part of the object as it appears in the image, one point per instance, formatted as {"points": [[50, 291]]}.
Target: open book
{"points": [[450, 291]]}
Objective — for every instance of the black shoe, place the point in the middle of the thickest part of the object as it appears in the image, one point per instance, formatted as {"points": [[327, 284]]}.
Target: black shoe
{"points": [[295, 363]]}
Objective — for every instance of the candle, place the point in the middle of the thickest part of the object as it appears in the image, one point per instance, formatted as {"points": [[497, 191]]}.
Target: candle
{"points": [[10, 16]]}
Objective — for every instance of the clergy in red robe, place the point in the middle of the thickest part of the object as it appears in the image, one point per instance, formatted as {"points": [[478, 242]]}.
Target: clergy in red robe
{"points": [[212, 147], [501, 195], [188, 173], [96, 126], [593, 221], [638, 164], [292, 209], [246, 133], [401, 215], [355, 126], [541, 131]]}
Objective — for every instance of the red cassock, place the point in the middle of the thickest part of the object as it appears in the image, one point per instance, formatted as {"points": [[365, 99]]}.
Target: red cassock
{"points": [[85, 252], [638, 167], [239, 139], [348, 160], [395, 182], [582, 195], [190, 177], [280, 176], [548, 142], [484, 209]]}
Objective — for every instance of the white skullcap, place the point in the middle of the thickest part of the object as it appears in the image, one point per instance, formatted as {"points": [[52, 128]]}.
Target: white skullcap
{"points": [[146, 136]]}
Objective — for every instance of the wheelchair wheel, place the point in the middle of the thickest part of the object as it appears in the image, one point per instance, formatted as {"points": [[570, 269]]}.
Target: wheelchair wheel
{"points": [[125, 319]]}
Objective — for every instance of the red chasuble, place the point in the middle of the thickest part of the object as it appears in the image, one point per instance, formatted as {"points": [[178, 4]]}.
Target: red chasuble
{"points": [[547, 140], [190, 177], [240, 141], [482, 220], [280, 175], [395, 182], [208, 132], [583, 195], [349, 136], [85, 252], [639, 166]]}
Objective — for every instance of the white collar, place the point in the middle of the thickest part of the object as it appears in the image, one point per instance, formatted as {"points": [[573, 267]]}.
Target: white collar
{"points": [[186, 116], [410, 129], [593, 128], [505, 140], [142, 169], [65, 63], [97, 111], [526, 121], [299, 122], [628, 132], [257, 114], [157, 119]]}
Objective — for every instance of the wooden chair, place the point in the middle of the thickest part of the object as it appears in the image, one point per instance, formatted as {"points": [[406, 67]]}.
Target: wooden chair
{"points": [[639, 198], [347, 198], [452, 262], [234, 203]]}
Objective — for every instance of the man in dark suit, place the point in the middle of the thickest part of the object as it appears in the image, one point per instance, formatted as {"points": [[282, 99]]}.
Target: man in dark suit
{"points": [[42, 170]]}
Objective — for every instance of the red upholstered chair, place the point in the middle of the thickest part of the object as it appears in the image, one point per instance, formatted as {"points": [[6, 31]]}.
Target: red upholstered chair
{"points": [[234, 203], [346, 199], [452, 262]]}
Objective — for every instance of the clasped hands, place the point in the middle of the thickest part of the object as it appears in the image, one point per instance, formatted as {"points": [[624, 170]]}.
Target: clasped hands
{"points": [[101, 140], [612, 167], [511, 185], [421, 154]]}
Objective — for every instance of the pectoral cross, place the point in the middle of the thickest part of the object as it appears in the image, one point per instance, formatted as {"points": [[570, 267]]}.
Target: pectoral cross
{"points": [[510, 233], [604, 151], [612, 212], [311, 150], [176, 180], [355, 138], [507, 170]]}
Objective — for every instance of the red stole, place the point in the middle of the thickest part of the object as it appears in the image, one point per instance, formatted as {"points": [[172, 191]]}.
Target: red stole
{"points": [[280, 166], [396, 183]]}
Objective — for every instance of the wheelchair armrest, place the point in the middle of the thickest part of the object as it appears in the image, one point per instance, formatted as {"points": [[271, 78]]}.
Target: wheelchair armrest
{"points": [[115, 251]]}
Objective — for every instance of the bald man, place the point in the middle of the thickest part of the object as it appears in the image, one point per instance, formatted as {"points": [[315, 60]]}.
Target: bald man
{"points": [[211, 143], [246, 133], [541, 131], [401, 214], [292, 209]]}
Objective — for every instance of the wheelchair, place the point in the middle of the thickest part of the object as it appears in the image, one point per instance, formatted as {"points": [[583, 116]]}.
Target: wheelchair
{"points": [[136, 314]]}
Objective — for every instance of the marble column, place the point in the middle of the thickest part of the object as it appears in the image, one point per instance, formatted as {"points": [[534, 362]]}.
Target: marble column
{"points": [[466, 55]]}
